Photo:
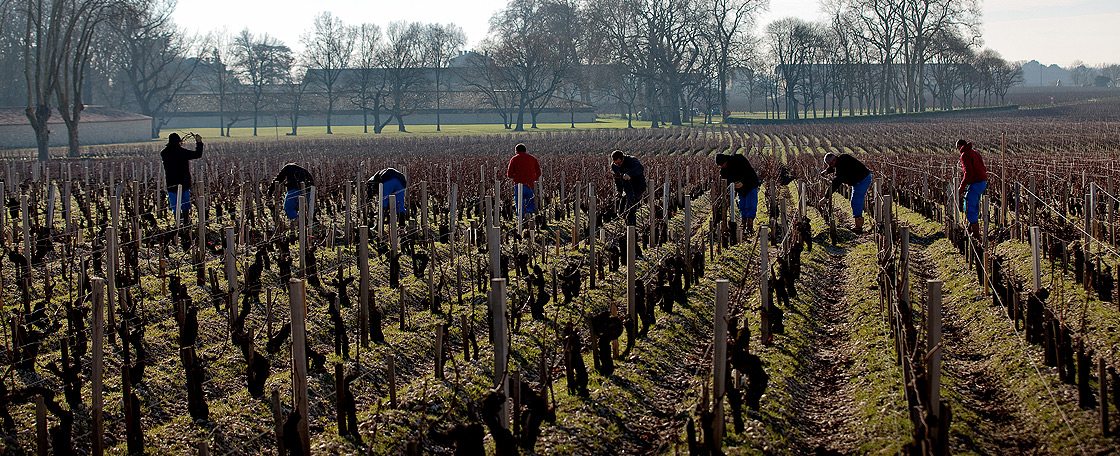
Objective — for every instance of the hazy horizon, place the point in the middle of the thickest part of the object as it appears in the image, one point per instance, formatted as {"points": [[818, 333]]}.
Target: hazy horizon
{"points": [[1049, 31]]}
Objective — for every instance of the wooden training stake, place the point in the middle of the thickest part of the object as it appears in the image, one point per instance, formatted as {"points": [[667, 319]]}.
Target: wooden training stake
{"points": [[97, 439], [719, 362], [933, 349], [631, 274], [363, 284], [297, 290], [501, 347], [764, 281]]}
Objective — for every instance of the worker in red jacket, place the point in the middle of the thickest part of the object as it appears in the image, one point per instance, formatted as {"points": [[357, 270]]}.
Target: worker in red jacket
{"points": [[973, 184], [524, 170]]}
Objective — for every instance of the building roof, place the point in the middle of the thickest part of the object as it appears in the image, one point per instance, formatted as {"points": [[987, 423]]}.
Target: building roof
{"points": [[15, 115]]}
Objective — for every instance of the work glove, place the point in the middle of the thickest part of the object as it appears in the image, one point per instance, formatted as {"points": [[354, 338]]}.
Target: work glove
{"points": [[625, 177]]}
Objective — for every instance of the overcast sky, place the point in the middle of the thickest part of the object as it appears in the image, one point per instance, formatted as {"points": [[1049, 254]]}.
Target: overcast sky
{"points": [[1050, 31]]}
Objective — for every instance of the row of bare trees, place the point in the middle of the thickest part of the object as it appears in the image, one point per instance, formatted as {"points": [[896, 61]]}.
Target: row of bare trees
{"points": [[883, 56]]}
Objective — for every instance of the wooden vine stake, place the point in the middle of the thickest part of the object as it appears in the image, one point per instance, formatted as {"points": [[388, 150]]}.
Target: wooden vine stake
{"points": [[501, 347], [764, 281], [933, 349], [631, 273], [363, 285], [1036, 264], [719, 362], [231, 276], [297, 290], [97, 440]]}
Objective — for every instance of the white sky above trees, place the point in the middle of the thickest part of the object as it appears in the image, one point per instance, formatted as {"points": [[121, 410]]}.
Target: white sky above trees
{"points": [[1050, 31]]}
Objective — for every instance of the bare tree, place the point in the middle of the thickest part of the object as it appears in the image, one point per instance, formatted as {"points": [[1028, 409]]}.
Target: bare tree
{"points": [[402, 61], [217, 73], [533, 46], [329, 47], [56, 49], [441, 43], [295, 86], [155, 58], [262, 63], [728, 25], [366, 82], [793, 43]]}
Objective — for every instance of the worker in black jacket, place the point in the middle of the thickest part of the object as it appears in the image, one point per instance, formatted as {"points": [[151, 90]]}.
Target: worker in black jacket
{"points": [[736, 169], [849, 171], [630, 182], [296, 181], [395, 185], [176, 165]]}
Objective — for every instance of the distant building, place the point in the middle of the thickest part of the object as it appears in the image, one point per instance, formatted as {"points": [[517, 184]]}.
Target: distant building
{"points": [[97, 125]]}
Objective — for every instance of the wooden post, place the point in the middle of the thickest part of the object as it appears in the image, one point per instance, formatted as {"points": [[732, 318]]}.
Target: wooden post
{"points": [[1003, 179], [495, 249], [501, 348], [592, 220], [200, 244], [394, 238], [1036, 264], [687, 229], [97, 365], [381, 211], [301, 222], [296, 288], [231, 276], [277, 421], [576, 215], [719, 362], [904, 263], [439, 351], [203, 448], [933, 350], [453, 216], [26, 219], [631, 274], [764, 281], [363, 284], [349, 222], [425, 232]]}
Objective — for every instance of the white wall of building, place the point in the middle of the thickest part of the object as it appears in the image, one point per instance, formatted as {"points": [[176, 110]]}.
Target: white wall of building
{"points": [[23, 136]]}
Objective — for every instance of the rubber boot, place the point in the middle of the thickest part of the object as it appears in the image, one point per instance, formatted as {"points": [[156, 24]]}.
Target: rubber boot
{"points": [[748, 225], [858, 228]]}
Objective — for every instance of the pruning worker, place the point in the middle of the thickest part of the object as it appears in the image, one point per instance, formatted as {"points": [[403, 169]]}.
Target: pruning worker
{"points": [[176, 165], [524, 170], [849, 171], [735, 168], [296, 179], [630, 182], [395, 185], [973, 184]]}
